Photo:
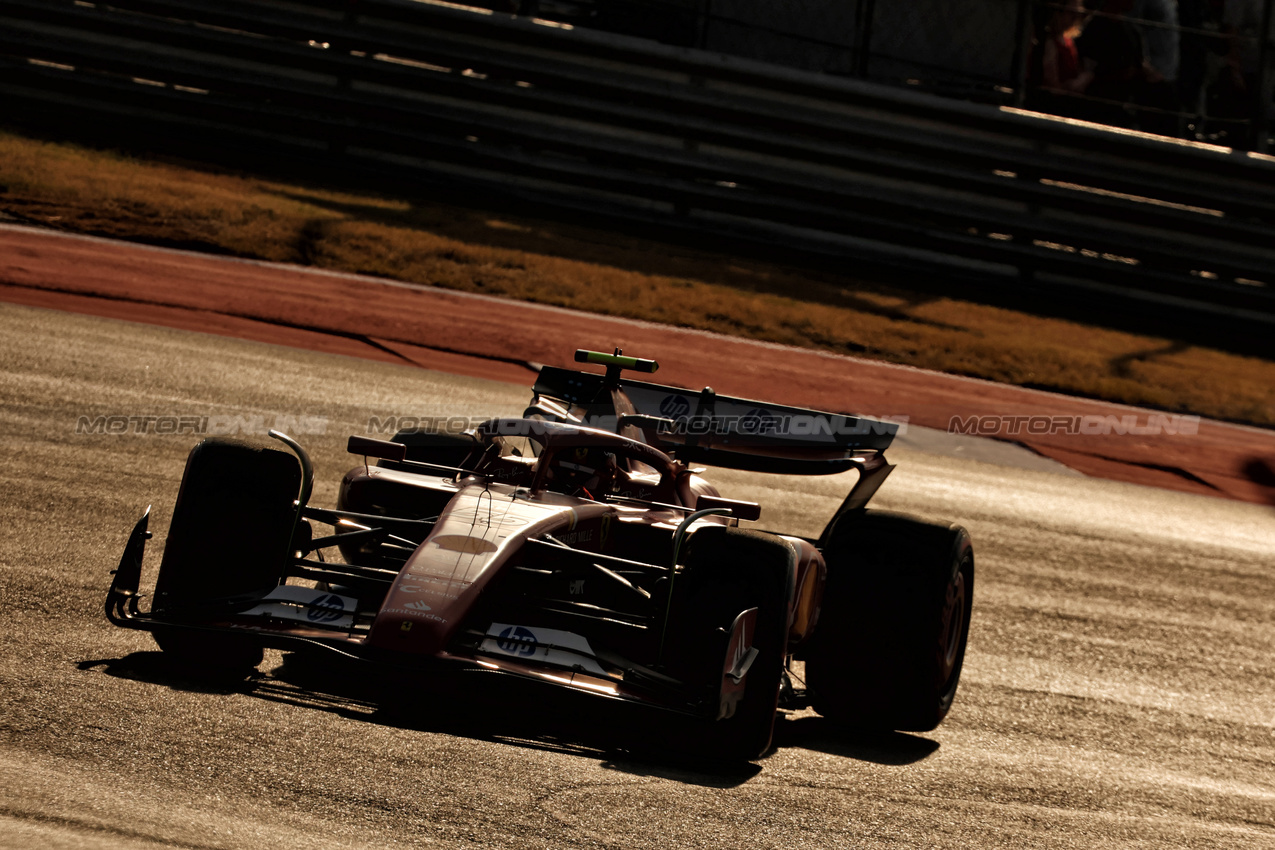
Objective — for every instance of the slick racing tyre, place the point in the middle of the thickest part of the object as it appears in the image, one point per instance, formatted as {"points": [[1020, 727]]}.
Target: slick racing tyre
{"points": [[230, 536], [728, 571], [888, 650]]}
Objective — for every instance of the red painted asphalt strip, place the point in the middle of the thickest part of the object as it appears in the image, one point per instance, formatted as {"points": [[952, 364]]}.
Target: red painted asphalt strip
{"points": [[437, 329]]}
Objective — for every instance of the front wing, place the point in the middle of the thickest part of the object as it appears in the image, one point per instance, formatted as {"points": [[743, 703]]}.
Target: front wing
{"points": [[293, 618]]}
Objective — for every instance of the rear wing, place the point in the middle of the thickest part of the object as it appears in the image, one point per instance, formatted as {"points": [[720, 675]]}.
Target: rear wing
{"points": [[719, 430]]}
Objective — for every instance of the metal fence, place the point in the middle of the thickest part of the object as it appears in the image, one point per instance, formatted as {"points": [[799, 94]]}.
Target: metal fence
{"points": [[1208, 76], [961, 198]]}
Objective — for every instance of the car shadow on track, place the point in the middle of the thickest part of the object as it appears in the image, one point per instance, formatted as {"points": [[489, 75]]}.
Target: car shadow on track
{"points": [[475, 706], [153, 667], [492, 708], [821, 735]]}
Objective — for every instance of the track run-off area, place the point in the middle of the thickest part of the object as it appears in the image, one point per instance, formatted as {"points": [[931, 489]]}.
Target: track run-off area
{"points": [[1117, 690]]}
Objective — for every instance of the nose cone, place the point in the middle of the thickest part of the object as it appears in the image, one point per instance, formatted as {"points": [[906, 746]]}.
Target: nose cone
{"points": [[421, 612], [482, 528]]}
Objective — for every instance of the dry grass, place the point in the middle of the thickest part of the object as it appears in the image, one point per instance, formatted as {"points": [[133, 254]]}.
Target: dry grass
{"points": [[433, 243]]}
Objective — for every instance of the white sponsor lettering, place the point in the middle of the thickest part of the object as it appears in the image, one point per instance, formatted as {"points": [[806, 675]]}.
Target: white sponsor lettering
{"points": [[306, 605], [547, 646]]}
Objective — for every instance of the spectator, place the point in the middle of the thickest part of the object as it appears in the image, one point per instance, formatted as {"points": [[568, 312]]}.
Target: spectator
{"points": [[1157, 91], [1158, 26], [1061, 69], [1057, 74], [1128, 90], [1113, 47], [1197, 43], [1232, 95], [1242, 23]]}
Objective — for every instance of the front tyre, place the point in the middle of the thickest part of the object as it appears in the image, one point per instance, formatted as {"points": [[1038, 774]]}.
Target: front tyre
{"points": [[890, 644], [728, 571], [230, 538]]}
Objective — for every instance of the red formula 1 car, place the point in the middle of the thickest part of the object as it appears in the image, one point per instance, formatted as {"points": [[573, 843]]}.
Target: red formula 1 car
{"points": [[575, 547]]}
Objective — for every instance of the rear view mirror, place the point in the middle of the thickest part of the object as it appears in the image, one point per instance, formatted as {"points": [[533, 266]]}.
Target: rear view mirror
{"points": [[750, 511], [383, 449]]}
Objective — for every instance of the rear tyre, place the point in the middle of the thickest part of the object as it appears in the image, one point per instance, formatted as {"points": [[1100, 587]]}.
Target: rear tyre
{"points": [[728, 571], [231, 536], [890, 644]]}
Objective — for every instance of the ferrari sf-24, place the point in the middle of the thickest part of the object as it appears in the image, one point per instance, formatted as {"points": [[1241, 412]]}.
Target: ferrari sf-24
{"points": [[577, 547]]}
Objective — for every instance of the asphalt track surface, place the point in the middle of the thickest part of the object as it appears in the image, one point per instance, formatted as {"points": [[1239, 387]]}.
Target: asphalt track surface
{"points": [[1118, 690]]}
